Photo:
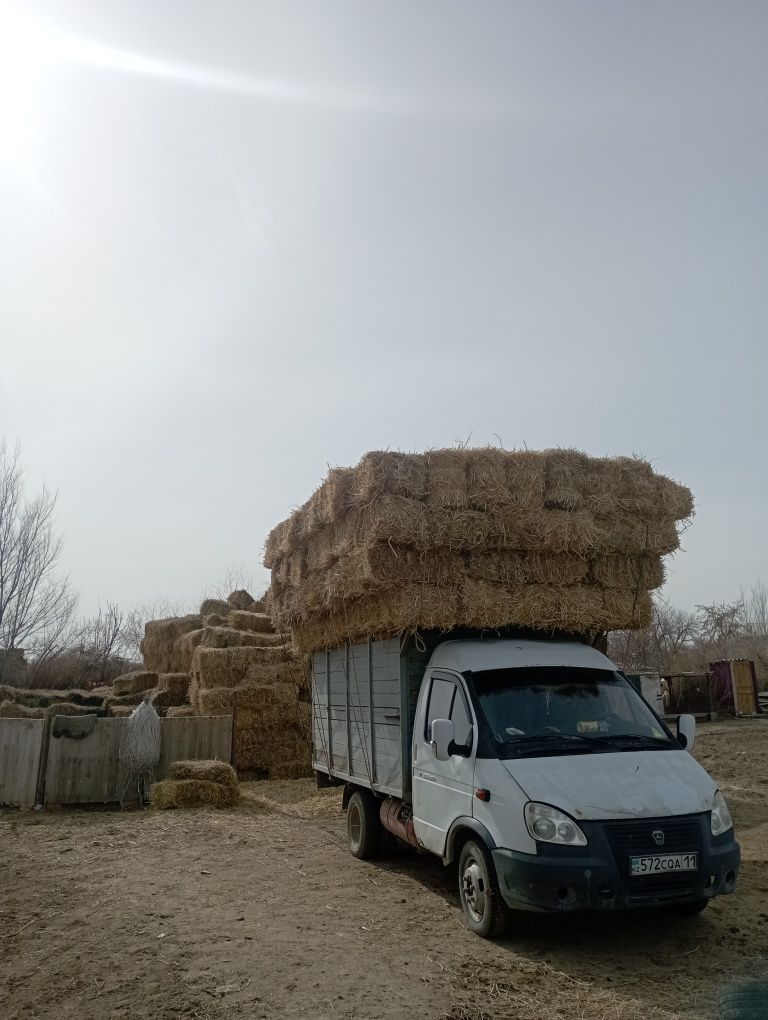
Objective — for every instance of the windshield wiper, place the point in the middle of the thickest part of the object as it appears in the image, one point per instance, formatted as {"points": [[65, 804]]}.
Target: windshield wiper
{"points": [[635, 739], [560, 741]]}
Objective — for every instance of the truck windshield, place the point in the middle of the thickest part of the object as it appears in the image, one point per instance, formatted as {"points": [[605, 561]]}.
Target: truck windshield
{"points": [[555, 710]]}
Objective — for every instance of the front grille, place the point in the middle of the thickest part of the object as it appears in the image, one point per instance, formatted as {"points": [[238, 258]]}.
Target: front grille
{"points": [[635, 839]]}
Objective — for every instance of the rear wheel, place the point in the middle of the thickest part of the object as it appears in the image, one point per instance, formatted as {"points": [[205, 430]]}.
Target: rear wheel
{"points": [[364, 828], [484, 910]]}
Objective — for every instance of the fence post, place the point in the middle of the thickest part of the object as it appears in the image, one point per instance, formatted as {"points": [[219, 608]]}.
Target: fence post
{"points": [[43, 765], [711, 696]]}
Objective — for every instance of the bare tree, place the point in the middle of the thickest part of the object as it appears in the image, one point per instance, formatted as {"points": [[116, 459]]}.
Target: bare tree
{"points": [[99, 644], [36, 605]]}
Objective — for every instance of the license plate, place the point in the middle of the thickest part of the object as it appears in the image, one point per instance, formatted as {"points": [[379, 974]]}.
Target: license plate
{"points": [[660, 864]]}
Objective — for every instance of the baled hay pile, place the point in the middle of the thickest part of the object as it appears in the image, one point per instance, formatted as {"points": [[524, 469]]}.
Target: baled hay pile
{"points": [[69, 708], [188, 793], [209, 770], [478, 538], [134, 683], [236, 664]]}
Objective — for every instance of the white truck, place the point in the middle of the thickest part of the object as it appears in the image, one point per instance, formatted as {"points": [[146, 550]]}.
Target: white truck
{"points": [[534, 764]]}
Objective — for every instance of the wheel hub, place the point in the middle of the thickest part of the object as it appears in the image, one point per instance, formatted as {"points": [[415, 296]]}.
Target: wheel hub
{"points": [[473, 889]]}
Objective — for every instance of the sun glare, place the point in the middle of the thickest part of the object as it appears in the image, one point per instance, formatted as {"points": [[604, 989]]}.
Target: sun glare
{"points": [[27, 47]]}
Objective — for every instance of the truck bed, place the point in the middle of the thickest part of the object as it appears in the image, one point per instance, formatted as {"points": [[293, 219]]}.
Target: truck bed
{"points": [[363, 700]]}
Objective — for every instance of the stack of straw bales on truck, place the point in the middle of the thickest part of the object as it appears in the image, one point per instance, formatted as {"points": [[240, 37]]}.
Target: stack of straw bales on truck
{"points": [[228, 659], [476, 538]]}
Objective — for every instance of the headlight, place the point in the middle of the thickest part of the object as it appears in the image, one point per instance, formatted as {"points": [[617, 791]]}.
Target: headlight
{"points": [[548, 825], [720, 820]]}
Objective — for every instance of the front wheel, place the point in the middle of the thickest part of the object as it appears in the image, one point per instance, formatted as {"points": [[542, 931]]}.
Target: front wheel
{"points": [[484, 910]]}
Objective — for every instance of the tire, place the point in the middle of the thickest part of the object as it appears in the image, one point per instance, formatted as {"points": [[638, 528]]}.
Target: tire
{"points": [[747, 1001], [690, 909], [364, 827], [485, 912]]}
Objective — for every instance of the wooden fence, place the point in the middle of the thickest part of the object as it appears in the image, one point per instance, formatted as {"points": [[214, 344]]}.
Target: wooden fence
{"points": [[74, 760]]}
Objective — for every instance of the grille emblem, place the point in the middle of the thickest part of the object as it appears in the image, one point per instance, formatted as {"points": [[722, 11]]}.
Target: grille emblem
{"points": [[658, 837]]}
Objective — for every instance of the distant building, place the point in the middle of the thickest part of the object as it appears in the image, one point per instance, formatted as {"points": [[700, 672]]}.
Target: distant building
{"points": [[13, 667]]}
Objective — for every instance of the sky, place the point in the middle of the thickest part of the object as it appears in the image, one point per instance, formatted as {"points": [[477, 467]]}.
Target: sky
{"points": [[241, 241]]}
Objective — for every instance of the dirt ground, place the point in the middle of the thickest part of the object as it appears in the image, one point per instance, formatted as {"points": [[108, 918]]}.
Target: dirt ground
{"points": [[260, 912]]}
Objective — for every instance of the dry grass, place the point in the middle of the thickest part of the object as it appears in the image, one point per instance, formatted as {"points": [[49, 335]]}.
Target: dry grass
{"points": [[188, 793], [15, 710], [218, 606], [537, 991], [179, 712]]}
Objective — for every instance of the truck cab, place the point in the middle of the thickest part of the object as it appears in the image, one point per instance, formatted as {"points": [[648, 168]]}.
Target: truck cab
{"points": [[538, 768]]}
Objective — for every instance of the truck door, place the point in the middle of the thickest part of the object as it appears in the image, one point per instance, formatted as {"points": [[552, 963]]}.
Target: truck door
{"points": [[442, 790]]}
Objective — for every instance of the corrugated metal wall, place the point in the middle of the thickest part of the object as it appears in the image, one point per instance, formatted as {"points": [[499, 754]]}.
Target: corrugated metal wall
{"points": [[21, 743], [82, 765]]}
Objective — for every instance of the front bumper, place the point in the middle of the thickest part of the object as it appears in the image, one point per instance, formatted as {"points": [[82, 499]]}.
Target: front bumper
{"points": [[596, 877]]}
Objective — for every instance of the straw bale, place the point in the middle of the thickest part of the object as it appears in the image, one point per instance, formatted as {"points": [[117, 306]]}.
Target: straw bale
{"points": [[15, 710], [179, 712], [215, 620], [228, 667], [134, 683], [185, 649], [135, 698], [259, 623], [290, 671], [214, 700], [160, 642], [212, 771], [219, 607], [176, 683], [525, 472], [487, 484], [230, 637], [628, 572], [274, 547], [507, 566], [240, 599], [187, 793], [120, 711], [446, 473], [384, 472], [162, 700]]}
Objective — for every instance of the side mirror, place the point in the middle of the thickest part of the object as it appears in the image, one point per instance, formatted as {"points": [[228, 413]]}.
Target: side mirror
{"points": [[686, 731], [442, 738]]}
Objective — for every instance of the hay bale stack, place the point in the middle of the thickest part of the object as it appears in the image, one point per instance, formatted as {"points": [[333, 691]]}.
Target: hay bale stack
{"points": [[134, 683], [225, 661], [160, 646], [477, 538], [188, 793]]}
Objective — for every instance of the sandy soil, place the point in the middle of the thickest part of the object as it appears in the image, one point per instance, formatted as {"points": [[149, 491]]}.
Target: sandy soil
{"points": [[260, 911]]}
